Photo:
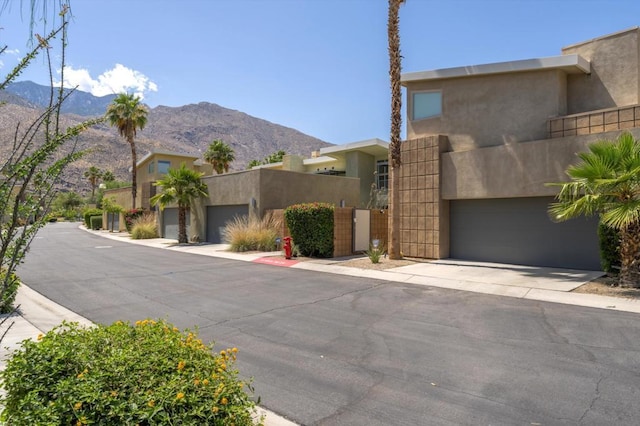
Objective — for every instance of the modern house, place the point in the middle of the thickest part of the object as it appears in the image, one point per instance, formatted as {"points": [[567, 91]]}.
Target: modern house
{"points": [[341, 175], [484, 140]]}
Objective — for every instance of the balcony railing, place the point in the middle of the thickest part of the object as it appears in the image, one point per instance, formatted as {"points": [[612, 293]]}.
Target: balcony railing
{"points": [[587, 123]]}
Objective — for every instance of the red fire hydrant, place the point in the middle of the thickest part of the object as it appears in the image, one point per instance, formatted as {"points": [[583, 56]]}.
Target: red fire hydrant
{"points": [[287, 247]]}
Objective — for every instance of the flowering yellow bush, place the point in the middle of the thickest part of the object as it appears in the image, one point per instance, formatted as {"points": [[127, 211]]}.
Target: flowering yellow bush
{"points": [[149, 373]]}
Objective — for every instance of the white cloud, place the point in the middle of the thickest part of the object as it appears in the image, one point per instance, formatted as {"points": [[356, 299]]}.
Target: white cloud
{"points": [[13, 52], [116, 80]]}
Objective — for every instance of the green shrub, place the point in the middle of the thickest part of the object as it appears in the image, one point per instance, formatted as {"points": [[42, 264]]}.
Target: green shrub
{"points": [[311, 227], [130, 216], [144, 227], [96, 222], [609, 248], [244, 234], [374, 253], [87, 215], [146, 374], [8, 294]]}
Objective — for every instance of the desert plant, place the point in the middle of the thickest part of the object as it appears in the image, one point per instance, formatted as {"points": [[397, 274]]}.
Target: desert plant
{"points": [[244, 233], [311, 226], [147, 373], [375, 253], [144, 227]]}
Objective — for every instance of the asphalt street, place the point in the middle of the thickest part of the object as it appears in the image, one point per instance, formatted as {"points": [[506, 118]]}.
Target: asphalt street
{"points": [[327, 349]]}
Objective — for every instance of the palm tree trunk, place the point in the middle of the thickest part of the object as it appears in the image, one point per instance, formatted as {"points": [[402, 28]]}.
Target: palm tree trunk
{"points": [[182, 224], [630, 256], [134, 181], [395, 68]]}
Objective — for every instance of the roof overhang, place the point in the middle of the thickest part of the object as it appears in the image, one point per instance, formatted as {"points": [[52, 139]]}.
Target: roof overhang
{"points": [[571, 64], [162, 152], [374, 147]]}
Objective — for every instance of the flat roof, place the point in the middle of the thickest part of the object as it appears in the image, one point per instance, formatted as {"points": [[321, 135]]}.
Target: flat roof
{"points": [[572, 64], [164, 152], [370, 146]]}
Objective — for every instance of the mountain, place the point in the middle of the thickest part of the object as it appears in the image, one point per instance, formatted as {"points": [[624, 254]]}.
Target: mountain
{"points": [[77, 102], [185, 129]]}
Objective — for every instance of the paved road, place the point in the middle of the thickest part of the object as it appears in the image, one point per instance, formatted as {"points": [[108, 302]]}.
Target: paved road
{"points": [[333, 350]]}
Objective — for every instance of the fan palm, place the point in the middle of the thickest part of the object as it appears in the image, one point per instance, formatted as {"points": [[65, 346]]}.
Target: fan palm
{"points": [[607, 182], [180, 186], [219, 155], [93, 175], [127, 113]]}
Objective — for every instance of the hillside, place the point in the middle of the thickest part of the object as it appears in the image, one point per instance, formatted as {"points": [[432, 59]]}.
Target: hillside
{"points": [[185, 129]]}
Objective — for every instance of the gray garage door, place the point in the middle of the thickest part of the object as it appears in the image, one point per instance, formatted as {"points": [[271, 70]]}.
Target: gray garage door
{"points": [[218, 216], [519, 231], [170, 223]]}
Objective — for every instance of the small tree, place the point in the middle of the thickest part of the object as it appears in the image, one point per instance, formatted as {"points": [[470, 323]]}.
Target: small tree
{"points": [[180, 186], [111, 207], [40, 152], [93, 175]]}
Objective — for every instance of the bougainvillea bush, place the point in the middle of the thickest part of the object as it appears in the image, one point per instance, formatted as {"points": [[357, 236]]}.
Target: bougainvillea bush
{"points": [[149, 373]]}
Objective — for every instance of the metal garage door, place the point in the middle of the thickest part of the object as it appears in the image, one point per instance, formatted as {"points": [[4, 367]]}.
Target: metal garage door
{"points": [[170, 223], [519, 231], [218, 216]]}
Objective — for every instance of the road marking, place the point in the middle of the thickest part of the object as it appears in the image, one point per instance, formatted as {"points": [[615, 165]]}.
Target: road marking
{"points": [[101, 247]]}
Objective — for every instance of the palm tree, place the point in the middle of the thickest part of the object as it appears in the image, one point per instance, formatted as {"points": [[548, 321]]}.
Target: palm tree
{"points": [[219, 155], [275, 157], [395, 68], [607, 182], [127, 114], [93, 175], [108, 176], [182, 186]]}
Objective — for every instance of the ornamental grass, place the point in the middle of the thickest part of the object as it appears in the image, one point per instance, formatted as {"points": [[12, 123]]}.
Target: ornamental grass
{"points": [[144, 227], [247, 234]]}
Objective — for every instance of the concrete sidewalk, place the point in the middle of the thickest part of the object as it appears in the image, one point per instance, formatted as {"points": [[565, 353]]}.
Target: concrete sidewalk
{"points": [[37, 314]]}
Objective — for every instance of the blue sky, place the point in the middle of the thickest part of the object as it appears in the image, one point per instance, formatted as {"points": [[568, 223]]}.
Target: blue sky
{"points": [[319, 66]]}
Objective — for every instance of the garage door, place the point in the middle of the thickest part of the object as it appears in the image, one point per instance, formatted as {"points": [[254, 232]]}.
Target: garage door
{"points": [[170, 223], [519, 231], [218, 216]]}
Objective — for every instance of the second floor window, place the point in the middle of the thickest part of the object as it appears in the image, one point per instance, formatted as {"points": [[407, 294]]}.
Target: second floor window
{"points": [[426, 105], [163, 166]]}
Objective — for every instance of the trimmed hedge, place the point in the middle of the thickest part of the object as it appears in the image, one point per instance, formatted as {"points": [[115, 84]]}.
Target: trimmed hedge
{"points": [[311, 227], [87, 216], [96, 222]]}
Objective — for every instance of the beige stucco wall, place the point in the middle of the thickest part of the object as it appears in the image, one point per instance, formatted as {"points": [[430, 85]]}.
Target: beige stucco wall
{"points": [[490, 110], [614, 79], [514, 170]]}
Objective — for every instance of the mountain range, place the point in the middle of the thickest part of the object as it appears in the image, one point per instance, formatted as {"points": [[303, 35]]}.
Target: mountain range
{"points": [[185, 129]]}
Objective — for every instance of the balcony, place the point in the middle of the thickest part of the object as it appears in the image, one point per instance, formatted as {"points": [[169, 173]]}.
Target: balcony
{"points": [[588, 123]]}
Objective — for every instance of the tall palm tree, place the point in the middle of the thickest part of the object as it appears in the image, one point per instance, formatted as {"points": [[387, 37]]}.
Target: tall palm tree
{"points": [[127, 113], [395, 68], [93, 175], [182, 186], [108, 176], [219, 155], [607, 182]]}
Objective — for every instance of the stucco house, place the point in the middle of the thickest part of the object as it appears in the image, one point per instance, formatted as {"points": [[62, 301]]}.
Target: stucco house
{"points": [[341, 175], [483, 140]]}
